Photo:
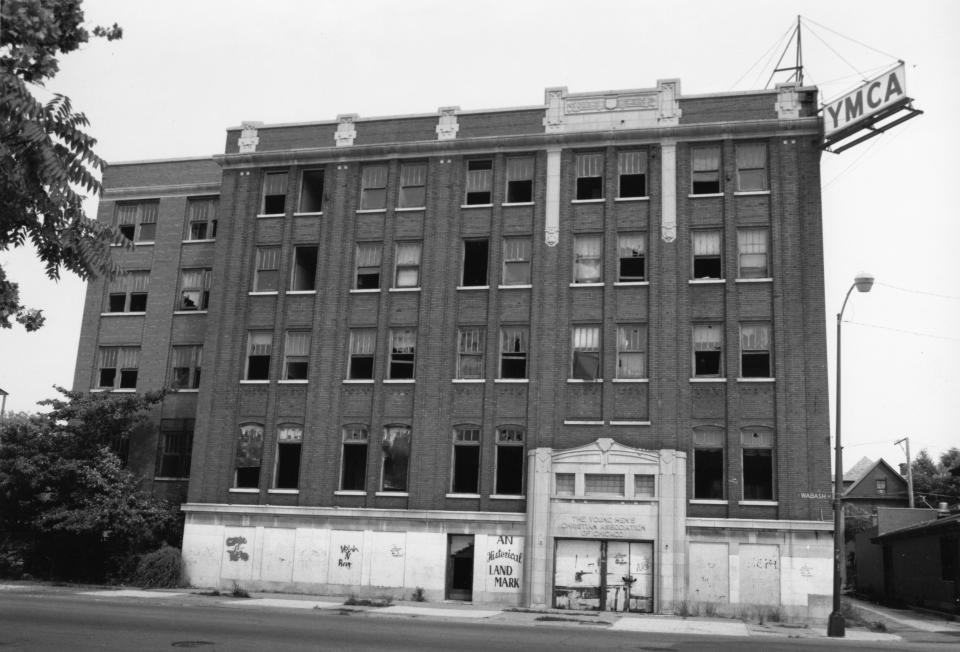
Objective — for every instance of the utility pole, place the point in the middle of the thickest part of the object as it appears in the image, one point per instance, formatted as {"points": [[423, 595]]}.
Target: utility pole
{"points": [[909, 469]]}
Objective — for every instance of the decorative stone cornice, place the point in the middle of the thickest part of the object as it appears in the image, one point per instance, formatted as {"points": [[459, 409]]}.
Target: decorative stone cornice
{"points": [[248, 140], [447, 126], [346, 129]]}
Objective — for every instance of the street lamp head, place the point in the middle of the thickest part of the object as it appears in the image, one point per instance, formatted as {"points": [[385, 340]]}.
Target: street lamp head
{"points": [[863, 281]]}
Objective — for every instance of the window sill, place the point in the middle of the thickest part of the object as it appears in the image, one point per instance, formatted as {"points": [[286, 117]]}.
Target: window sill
{"points": [[265, 293], [98, 390], [511, 380], [621, 284], [255, 382], [403, 290], [122, 314], [301, 292], [366, 291], [586, 285], [766, 279], [242, 490], [259, 215], [289, 492], [756, 380], [349, 492], [199, 241], [396, 494], [476, 205], [169, 479], [587, 201], [571, 422], [473, 496], [409, 209], [145, 243], [187, 390], [584, 380], [311, 214], [399, 381], [631, 380], [362, 211], [503, 497], [469, 380], [629, 423], [707, 281], [759, 503], [520, 286], [629, 199], [473, 287], [358, 381], [124, 390], [189, 312], [748, 193], [705, 194], [293, 381], [707, 501], [708, 380], [517, 203]]}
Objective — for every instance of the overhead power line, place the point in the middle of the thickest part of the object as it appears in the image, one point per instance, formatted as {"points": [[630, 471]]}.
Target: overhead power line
{"points": [[924, 292], [902, 330]]}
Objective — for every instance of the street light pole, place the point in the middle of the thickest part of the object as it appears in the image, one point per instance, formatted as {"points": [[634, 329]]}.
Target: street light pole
{"points": [[836, 625]]}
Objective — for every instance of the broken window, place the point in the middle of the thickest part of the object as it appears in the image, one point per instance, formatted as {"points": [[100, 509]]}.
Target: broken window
{"points": [[603, 484], [202, 218], [185, 366], [513, 352], [249, 456], [632, 169], [706, 170], [137, 221], [479, 182], [631, 251], [707, 350], [508, 474], [173, 448], [590, 176], [373, 187], [407, 274], [259, 345], [353, 469], [752, 253], [587, 257], [757, 448], [466, 460], [396, 458], [632, 351], [565, 484], [304, 274], [296, 355], [274, 193], [194, 289], [289, 446], [708, 466], [644, 486], [117, 367], [368, 265], [706, 254], [413, 185], [470, 342], [311, 191], [403, 345], [751, 167], [475, 263], [363, 344], [881, 485], [520, 180], [128, 292], [516, 261], [266, 277], [585, 358], [755, 351]]}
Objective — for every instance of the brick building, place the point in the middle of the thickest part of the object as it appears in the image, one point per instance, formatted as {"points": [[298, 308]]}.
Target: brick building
{"points": [[568, 355]]}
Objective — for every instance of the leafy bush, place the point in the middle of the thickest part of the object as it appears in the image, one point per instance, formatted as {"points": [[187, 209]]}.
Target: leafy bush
{"points": [[160, 569], [417, 595]]}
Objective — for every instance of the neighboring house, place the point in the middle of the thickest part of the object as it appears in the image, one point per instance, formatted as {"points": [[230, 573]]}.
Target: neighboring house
{"points": [[921, 563], [872, 485], [567, 355], [867, 574]]}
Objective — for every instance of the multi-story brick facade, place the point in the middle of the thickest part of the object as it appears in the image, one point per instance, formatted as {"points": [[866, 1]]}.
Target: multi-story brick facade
{"points": [[568, 355]]}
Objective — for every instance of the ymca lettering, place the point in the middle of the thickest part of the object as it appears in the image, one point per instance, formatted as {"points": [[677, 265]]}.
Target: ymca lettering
{"points": [[865, 100]]}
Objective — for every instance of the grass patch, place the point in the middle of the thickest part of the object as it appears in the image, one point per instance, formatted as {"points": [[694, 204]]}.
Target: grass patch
{"points": [[211, 592], [417, 595], [381, 601], [239, 592]]}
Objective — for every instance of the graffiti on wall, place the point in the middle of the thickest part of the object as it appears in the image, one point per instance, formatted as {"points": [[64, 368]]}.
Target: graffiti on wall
{"points": [[346, 551], [235, 549]]}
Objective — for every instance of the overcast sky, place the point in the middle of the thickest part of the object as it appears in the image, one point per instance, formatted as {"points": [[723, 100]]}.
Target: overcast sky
{"points": [[185, 71]]}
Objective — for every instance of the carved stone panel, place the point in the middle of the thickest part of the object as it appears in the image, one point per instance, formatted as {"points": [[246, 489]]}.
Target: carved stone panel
{"points": [[467, 401], [708, 400], [511, 400], [357, 400], [630, 402], [757, 400], [253, 402], [584, 401], [398, 400]]}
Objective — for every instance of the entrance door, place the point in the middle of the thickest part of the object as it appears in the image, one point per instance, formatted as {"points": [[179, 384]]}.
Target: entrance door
{"points": [[606, 575], [629, 576], [460, 567]]}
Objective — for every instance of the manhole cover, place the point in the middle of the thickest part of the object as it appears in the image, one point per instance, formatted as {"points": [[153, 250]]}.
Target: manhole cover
{"points": [[190, 643]]}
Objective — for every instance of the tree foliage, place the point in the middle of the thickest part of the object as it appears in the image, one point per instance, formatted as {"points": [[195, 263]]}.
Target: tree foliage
{"points": [[47, 160], [933, 480], [68, 507]]}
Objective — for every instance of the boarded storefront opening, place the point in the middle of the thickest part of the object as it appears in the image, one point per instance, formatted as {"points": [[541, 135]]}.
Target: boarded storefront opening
{"points": [[460, 567], [603, 575]]}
